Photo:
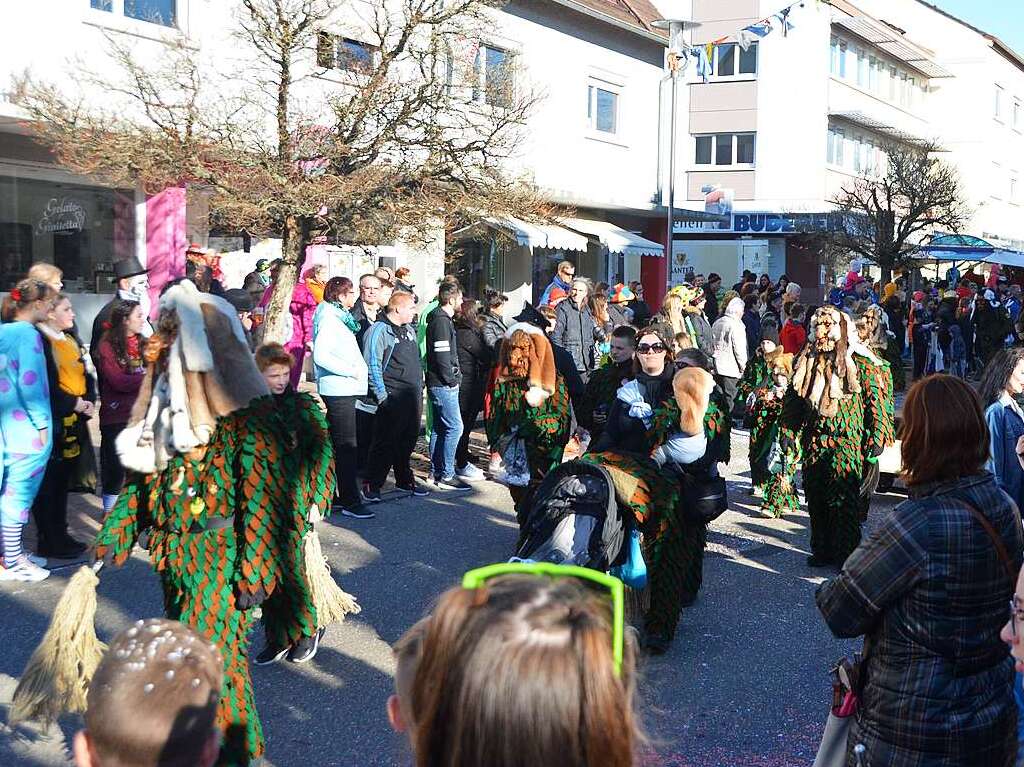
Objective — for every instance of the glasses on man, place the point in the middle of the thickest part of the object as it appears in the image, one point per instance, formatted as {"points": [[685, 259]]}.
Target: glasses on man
{"points": [[1016, 616], [474, 579], [650, 348]]}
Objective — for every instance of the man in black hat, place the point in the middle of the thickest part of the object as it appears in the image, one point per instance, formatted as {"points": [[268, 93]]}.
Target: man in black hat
{"points": [[132, 285], [257, 280]]}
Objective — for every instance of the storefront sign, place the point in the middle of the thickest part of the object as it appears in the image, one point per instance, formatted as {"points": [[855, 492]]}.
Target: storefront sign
{"points": [[748, 222], [61, 214]]}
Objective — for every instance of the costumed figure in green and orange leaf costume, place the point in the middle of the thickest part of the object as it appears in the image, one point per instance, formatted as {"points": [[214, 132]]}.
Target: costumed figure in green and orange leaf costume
{"points": [[832, 409], [529, 418], [779, 465], [756, 376], [213, 487]]}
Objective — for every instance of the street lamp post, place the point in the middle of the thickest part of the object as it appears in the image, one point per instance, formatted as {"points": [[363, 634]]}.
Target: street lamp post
{"points": [[675, 63]]}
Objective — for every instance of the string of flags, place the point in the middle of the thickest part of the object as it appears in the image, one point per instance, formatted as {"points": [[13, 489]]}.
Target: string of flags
{"points": [[706, 54]]}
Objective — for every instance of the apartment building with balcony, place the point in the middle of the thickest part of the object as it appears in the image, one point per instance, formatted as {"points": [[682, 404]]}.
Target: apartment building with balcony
{"points": [[782, 127]]}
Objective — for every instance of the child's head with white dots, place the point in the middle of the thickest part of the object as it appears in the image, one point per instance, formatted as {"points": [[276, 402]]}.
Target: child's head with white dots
{"points": [[153, 700]]}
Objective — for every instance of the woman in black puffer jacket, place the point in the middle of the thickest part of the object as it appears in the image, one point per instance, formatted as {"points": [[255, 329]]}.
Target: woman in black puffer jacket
{"points": [[476, 358]]}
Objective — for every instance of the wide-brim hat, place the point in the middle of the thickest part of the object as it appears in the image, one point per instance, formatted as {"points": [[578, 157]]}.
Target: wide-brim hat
{"points": [[128, 267]]}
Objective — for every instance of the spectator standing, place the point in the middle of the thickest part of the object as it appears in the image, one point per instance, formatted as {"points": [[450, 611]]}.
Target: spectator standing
{"points": [[619, 313], [120, 369], [476, 359], [72, 394], [258, 280], [565, 273], [928, 590], [241, 301], [402, 284], [132, 285], [790, 295], [26, 425], [576, 330], [494, 325], [1001, 384], [316, 281], [641, 310], [367, 307], [729, 339], [991, 326], [793, 334], [764, 284], [301, 309], [341, 380], [751, 321], [444, 376], [396, 383]]}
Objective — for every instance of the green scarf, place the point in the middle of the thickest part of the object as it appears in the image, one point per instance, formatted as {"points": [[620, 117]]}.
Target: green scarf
{"points": [[350, 322]]}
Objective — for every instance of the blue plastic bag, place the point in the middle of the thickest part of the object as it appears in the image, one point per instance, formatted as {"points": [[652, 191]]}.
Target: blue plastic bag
{"points": [[632, 572]]}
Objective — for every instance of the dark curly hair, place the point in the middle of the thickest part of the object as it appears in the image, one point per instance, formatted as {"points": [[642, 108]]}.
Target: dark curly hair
{"points": [[116, 333], [997, 374]]}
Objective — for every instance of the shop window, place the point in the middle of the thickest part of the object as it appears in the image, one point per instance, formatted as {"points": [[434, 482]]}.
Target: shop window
{"points": [[162, 12], [344, 53], [726, 149], [81, 229]]}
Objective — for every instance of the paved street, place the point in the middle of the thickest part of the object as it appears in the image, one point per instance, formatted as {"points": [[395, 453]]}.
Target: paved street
{"points": [[744, 684]]}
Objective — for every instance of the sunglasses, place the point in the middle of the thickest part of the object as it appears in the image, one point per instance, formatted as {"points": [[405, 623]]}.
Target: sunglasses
{"points": [[650, 349], [474, 579]]}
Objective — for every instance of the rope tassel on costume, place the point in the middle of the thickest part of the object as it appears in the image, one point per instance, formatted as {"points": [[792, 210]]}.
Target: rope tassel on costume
{"points": [[56, 679], [330, 602]]}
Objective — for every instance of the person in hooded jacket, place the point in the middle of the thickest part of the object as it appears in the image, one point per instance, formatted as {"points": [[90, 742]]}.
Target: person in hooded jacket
{"points": [[729, 336], [476, 359]]}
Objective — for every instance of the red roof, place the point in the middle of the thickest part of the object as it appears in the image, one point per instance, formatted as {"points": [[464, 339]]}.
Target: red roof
{"points": [[637, 13]]}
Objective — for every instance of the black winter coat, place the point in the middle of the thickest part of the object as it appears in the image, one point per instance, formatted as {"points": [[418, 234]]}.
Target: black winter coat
{"points": [[577, 332]]}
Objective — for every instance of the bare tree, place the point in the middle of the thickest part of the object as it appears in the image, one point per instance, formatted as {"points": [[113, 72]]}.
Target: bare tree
{"points": [[306, 132], [886, 217]]}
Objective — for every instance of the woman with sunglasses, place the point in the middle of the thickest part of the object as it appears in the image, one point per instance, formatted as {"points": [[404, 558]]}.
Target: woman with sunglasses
{"points": [[551, 638], [928, 591]]}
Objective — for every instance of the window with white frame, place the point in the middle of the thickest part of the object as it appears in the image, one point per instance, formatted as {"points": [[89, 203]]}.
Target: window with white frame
{"points": [[726, 149], [344, 53], [163, 12], [837, 60], [836, 137], [495, 76], [997, 110], [862, 68], [732, 61], [603, 107], [1017, 115]]}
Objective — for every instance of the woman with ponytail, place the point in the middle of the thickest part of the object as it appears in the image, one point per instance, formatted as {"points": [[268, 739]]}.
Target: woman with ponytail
{"points": [[25, 421]]}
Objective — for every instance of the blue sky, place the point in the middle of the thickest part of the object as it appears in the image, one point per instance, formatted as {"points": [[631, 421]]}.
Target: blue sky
{"points": [[1002, 18]]}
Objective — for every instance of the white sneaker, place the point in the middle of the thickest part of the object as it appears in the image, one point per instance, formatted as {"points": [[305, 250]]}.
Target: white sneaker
{"points": [[24, 570], [470, 473]]}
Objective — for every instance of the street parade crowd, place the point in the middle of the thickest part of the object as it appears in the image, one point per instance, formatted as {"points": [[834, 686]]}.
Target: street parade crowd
{"points": [[213, 460]]}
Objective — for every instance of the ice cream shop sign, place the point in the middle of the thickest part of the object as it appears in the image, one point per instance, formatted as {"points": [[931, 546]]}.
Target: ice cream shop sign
{"points": [[61, 215]]}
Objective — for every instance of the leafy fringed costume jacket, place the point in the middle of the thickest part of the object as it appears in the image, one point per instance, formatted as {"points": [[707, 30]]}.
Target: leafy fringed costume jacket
{"points": [[308, 469], [834, 450], [755, 374], [775, 478], [216, 536], [544, 429]]}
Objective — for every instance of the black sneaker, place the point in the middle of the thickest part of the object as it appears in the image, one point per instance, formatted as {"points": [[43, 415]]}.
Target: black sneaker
{"points": [[358, 511], [370, 495], [271, 654], [305, 649], [656, 643], [417, 488], [451, 483]]}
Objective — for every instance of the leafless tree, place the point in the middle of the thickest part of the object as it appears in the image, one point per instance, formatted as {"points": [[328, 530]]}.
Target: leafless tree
{"points": [[310, 128], [886, 217]]}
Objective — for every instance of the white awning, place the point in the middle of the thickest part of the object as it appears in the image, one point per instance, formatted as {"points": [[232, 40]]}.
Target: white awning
{"points": [[532, 236], [615, 238]]}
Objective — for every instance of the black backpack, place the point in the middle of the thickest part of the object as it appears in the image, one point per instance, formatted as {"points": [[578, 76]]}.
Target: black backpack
{"points": [[574, 519]]}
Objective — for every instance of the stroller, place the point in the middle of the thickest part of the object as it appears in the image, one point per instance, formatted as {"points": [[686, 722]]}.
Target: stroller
{"points": [[574, 519]]}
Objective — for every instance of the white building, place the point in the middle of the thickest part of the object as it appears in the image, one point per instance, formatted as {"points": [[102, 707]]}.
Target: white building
{"points": [[786, 128]]}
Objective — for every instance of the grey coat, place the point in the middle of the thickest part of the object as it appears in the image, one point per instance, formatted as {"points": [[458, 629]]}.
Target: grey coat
{"points": [[577, 332]]}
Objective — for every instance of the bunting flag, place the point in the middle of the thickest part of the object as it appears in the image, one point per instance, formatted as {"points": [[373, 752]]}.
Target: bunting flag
{"points": [[744, 38]]}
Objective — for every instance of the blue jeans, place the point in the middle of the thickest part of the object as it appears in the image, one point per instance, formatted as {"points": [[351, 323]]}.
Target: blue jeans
{"points": [[447, 429]]}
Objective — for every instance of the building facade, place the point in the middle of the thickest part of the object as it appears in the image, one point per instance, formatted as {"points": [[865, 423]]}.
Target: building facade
{"points": [[781, 128]]}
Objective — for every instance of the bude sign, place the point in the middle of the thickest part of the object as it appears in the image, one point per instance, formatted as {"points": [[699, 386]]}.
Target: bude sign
{"points": [[61, 214]]}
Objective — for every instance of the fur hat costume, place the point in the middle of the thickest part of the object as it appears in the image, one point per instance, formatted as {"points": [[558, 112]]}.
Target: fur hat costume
{"points": [[199, 368], [527, 353], [692, 387], [780, 362], [872, 325]]}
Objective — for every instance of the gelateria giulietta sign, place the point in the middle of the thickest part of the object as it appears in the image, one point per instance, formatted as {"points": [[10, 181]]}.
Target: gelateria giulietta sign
{"points": [[61, 214]]}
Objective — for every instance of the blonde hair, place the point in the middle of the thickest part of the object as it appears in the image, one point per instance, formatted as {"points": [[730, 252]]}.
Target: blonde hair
{"points": [[673, 310], [48, 273]]}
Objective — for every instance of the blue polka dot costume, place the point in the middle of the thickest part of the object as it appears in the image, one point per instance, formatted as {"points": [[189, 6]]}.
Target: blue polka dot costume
{"points": [[24, 410]]}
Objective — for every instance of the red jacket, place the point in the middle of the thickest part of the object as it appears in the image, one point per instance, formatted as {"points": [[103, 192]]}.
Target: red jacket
{"points": [[793, 337]]}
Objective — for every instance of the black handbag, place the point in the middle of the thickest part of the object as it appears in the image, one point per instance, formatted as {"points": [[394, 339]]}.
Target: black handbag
{"points": [[704, 498]]}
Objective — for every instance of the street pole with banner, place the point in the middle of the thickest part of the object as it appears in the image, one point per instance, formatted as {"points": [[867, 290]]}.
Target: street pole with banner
{"points": [[675, 63]]}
